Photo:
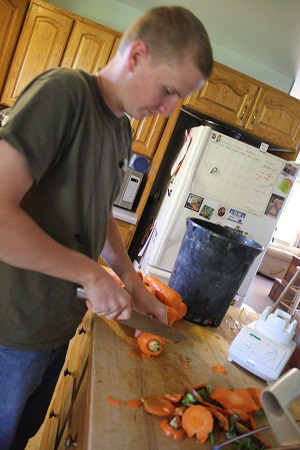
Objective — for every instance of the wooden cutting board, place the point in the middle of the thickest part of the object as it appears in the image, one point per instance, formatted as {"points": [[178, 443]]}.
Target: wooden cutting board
{"points": [[122, 374]]}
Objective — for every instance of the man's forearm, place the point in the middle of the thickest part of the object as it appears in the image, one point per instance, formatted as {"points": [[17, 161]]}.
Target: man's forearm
{"points": [[24, 244], [116, 256]]}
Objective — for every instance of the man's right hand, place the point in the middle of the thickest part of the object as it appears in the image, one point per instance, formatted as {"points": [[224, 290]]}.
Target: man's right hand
{"points": [[105, 297]]}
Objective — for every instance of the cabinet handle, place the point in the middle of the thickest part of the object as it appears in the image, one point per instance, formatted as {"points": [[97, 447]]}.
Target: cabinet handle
{"points": [[133, 130], [52, 414], [81, 330], [243, 112], [69, 442], [67, 372], [254, 117]]}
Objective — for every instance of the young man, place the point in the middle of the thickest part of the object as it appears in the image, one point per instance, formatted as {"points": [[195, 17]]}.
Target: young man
{"points": [[63, 153]]}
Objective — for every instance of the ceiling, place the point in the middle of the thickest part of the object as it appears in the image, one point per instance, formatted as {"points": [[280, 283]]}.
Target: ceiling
{"points": [[264, 31]]}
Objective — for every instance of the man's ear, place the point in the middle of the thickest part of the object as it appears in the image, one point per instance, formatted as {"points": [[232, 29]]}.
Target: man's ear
{"points": [[138, 51]]}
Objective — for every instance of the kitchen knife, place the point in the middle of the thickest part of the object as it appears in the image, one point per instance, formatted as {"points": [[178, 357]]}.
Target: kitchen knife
{"points": [[142, 322]]}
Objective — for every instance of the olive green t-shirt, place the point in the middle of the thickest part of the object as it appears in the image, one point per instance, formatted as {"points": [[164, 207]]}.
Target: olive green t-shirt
{"points": [[76, 149]]}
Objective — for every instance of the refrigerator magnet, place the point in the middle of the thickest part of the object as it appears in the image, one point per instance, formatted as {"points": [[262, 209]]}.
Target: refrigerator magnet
{"points": [[193, 202], [285, 185], [289, 169], [221, 212], [274, 206], [206, 212], [236, 216]]}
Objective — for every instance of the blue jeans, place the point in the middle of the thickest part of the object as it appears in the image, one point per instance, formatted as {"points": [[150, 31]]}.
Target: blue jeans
{"points": [[27, 383]]}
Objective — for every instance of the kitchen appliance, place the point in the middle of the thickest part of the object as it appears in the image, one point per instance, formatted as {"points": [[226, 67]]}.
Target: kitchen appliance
{"points": [[276, 400], [139, 163], [142, 322], [216, 174], [264, 347], [129, 189]]}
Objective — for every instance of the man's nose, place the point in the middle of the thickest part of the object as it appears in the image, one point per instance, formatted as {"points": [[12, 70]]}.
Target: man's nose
{"points": [[167, 106]]}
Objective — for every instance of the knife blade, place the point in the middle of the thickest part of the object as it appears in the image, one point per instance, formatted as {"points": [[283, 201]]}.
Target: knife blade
{"points": [[145, 323]]}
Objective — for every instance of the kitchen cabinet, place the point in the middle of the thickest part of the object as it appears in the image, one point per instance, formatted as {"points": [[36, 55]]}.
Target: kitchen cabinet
{"points": [[146, 134], [126, 231], [241, 101], [53, 37], [276, 117], [40, 47], [62, 419], [227, 95], [12, 13], [88, 48]]}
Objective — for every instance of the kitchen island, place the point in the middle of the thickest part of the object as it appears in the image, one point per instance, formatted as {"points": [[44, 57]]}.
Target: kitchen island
{"points": [[102, 361]]}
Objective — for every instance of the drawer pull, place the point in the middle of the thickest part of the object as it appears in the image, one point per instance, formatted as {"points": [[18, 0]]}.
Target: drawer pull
{"points": [[67, 372], [243, 112], [69, 442], [81, 330], [254, 117]]}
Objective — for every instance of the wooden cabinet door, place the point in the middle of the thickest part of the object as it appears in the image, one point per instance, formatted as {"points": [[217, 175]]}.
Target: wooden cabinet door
{"points": [[275, 116], [88, 48], [126, 231], [227, 95], [40, 47], [146, 134], [12, 13], [115, 47]]}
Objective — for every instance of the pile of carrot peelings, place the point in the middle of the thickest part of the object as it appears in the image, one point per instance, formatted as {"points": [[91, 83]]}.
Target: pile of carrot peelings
{"points": [[201, 410]]}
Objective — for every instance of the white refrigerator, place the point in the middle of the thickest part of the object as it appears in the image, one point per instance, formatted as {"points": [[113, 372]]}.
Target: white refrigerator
{"points": [[219, 179]]}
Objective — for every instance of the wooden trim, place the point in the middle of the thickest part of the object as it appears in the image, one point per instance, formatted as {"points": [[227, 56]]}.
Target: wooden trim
{"points": [[156, 161]]}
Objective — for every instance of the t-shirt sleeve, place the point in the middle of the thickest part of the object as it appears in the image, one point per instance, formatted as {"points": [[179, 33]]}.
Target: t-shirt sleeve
{"points": [[40, 123]]}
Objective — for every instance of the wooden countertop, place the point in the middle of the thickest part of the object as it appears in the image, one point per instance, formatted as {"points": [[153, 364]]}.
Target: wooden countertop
{"points": [[115, 371]]}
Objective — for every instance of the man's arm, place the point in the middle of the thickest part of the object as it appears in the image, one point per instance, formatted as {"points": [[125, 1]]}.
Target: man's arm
{"points": [[24, 244], [115, 255]]}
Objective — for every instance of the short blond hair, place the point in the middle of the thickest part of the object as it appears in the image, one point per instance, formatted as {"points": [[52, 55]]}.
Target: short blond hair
{"points": [[170, 32]]}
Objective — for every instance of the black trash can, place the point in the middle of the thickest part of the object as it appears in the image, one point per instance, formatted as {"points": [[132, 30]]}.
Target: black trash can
{"points": [[211, 265]]}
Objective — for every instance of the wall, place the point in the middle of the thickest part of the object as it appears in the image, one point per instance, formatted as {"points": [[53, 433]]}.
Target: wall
{"points": [[118, 16]]}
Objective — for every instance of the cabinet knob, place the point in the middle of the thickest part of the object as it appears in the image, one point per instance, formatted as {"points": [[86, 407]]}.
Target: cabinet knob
{"points": [[81, 330], [254, 117], [243, 112], [52, 414], [69, 442], [67, 372], [132, 129]]}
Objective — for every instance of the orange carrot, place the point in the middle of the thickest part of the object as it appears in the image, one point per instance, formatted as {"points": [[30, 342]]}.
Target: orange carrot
{"points": [[170, 431], [139, 274], [113, 401], [200, 386], [179, 410], [135, 403], [235, 399], [255, 394], [219, 369], [238, 413], [221, 418], [163, 292], [172, 315], [150, 345], [158, 406], [113, 274], [197, 420], [181, 310], [150, 289], [243, 430], [174, 398]]}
